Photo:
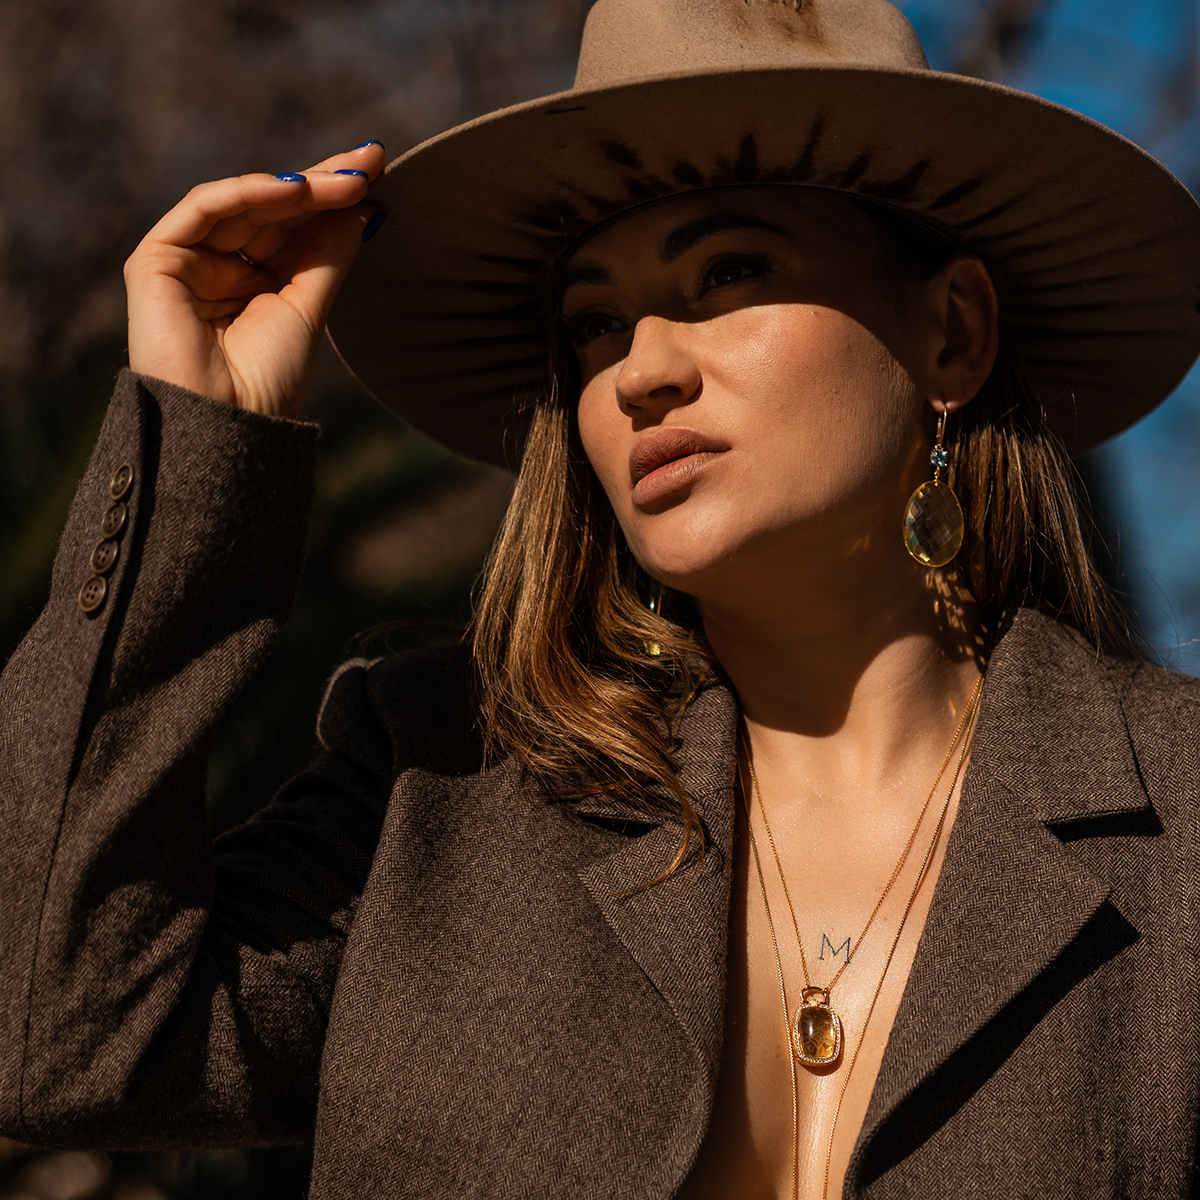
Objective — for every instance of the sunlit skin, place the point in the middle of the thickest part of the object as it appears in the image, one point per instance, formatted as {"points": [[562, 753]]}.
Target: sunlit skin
{"points": [[761, 321], [202, 318]]}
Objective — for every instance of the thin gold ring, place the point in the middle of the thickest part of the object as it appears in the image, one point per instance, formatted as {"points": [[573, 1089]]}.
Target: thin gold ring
{"points": [[246, 258]]}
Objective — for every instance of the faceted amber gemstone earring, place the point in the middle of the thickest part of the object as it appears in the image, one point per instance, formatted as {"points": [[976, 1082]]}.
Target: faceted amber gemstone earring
{"points": [[933, 520]]}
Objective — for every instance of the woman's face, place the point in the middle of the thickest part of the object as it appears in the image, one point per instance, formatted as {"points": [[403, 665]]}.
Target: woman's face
{"points": [[749, 388]]}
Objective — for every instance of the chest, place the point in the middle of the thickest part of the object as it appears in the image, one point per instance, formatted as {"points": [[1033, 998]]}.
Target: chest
{"points": [[803, 915]]}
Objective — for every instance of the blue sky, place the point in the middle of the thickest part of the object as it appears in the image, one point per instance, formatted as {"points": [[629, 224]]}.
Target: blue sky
{"points": [[1131, 65]]}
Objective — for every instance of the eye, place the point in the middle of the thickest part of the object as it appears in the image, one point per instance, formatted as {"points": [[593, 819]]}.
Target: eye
{"points": [[734, 270], [581, 330]]}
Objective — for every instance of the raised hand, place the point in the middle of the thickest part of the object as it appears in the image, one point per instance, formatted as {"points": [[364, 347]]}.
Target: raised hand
{"points": [[245, 332]]}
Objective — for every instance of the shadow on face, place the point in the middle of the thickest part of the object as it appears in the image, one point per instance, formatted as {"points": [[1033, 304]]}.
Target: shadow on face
{"points": [[748, 383], [829, 253]]}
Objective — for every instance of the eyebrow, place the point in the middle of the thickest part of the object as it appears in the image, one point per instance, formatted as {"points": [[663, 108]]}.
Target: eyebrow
{"points": [[680, 240], [584, 272], [677, 243]]}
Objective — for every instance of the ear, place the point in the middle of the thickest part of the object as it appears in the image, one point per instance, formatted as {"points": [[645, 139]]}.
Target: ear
{"points": [[965, 314]]}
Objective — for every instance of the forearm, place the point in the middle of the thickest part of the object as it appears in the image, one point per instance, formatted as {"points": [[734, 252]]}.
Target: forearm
{"points": [[105, 718]]}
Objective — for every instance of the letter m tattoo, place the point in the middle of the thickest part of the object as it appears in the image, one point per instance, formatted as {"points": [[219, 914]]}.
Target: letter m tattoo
{"points": [[834, 950]]}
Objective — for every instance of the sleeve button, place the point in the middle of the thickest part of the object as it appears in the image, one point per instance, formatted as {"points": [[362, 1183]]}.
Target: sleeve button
{"points": [[122, 481], [104, 557], [92, 594], [114, 520]]}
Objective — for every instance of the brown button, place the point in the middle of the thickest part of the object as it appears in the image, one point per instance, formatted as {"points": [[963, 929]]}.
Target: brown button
{"points": [[104, 557], [92, 594], [114, 520], [122, 481]]}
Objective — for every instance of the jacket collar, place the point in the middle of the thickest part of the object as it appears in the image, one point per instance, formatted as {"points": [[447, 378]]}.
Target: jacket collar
{"points": [[1015, 918], [1051, 728], [677, 930]]}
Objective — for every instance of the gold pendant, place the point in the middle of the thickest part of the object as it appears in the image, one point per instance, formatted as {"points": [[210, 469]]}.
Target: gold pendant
{"points": [[816, 1030]]}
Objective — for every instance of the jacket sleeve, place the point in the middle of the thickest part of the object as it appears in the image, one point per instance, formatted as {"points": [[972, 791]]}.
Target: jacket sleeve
{"points": [[153, 993]]}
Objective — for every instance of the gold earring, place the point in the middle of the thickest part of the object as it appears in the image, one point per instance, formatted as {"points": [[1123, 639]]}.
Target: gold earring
{"points": [[933, 519], [654, 604]]}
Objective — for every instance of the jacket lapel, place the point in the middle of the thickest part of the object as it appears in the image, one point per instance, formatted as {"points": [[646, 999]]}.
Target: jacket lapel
{"points": [[677, 931], [1016, 919]]}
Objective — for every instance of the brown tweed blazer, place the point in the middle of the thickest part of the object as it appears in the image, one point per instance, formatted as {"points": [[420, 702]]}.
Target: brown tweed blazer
{"points": [[440, 977]]}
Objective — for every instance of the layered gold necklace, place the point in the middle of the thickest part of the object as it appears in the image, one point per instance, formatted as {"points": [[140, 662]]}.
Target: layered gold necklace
{"points": [[814, 1031]]}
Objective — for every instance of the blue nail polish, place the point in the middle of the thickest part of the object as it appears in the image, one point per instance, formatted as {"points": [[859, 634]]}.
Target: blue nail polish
{"points": [[291, 177], [350, 171], [372, 142], [371, 228]]}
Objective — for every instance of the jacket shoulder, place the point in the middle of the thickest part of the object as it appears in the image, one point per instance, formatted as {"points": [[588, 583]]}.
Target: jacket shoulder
{"points": [[1157, 693], [414, 710], [1162, 714]]}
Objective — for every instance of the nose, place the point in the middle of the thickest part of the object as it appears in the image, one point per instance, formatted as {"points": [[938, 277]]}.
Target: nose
{"points": [[659, 372]]}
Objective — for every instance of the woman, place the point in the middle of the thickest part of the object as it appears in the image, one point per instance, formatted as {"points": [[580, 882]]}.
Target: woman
{"points": [[695, 896]]}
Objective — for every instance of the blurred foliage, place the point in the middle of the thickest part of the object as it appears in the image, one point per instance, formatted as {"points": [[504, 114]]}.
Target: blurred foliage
{"points": [[47, 428], [111, 109]]}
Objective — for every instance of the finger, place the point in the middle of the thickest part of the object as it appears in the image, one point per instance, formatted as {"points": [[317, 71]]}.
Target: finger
{"points": [[262, 242], [228, 212], [226, 200], [324, 264], [365, 162], [222, 310], [259, 233], [370, 157], [206, 275]]}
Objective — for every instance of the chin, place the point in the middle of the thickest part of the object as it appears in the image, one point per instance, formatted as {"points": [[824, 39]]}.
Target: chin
{"points": [[684, 555], [687, 578]]}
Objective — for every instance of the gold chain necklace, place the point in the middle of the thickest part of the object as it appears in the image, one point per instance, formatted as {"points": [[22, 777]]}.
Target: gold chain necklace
{"points": [[793, 1027], [817, 1028]]}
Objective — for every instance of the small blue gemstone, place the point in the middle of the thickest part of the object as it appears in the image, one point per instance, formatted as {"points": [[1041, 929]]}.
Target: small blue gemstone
{"points": [[940, 457]]}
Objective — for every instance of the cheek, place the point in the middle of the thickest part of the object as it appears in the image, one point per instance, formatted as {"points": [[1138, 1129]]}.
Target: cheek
{"points": [[600, 430], [834, 410]]}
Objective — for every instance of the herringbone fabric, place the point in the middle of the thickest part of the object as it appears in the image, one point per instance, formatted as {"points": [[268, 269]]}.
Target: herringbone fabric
{"points": [[445, 981]]}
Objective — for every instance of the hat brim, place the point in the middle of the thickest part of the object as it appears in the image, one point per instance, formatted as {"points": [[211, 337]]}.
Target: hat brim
{"points": [[1094, 245]]}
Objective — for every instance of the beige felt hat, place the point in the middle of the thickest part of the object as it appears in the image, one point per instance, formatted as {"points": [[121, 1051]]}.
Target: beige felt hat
{"points": [[1095, 247]]}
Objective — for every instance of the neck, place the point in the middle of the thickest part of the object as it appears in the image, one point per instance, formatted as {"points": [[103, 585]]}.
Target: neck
{"points": [[855, 689]]}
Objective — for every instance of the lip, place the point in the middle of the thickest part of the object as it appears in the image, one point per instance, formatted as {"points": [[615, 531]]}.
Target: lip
{"points": [[667, 459]]}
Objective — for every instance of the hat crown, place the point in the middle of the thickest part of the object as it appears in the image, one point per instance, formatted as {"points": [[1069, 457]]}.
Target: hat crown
{"points": [[639, 39]]}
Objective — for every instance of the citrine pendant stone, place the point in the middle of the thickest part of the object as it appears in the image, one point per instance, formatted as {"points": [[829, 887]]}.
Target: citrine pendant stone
{"points": [[933, 524], [817, 1034]]}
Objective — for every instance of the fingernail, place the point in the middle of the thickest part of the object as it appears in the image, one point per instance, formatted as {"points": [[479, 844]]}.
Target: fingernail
{"points": [[291, 177], [372, 142], [350, 171], [371, 228]]}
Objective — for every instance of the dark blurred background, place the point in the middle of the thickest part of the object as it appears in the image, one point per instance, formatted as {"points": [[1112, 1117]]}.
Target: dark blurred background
{"points": [[112, 109]]}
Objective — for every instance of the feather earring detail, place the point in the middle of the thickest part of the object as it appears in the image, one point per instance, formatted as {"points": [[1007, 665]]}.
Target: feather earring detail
{"points": [[933, 519]]}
